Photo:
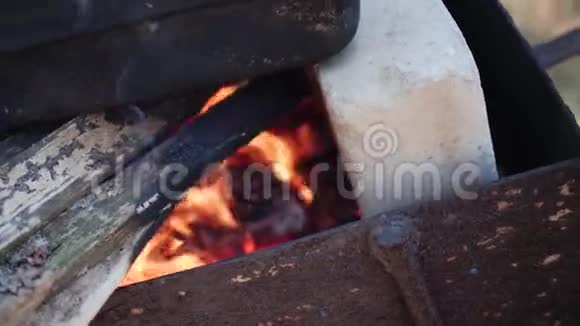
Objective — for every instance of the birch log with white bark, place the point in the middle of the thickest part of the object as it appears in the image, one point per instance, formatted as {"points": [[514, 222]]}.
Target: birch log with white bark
{"points": [[50, 176], [96, 239], [419, 124]]}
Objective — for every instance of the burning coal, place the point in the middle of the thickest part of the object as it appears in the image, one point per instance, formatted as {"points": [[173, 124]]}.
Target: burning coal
{"points": [[257, 198]]}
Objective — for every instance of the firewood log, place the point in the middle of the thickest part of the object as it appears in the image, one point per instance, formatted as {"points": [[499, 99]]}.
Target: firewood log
{"points": [[216, 42], [103, 232], [421, 113], [50, 176]]}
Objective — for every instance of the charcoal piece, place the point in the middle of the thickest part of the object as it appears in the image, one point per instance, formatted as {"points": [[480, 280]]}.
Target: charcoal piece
{"points": [[150, 59]]}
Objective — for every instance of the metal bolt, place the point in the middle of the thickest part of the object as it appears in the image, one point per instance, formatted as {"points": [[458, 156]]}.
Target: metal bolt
{"points": [[395, 244]]}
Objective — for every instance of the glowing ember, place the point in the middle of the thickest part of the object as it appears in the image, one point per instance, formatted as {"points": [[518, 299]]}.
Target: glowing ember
{"points": [[221, 95], [257, 198]]}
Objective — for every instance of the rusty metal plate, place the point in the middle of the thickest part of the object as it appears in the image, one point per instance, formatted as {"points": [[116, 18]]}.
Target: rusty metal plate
{"points": [[328, 279], [509, 257]]}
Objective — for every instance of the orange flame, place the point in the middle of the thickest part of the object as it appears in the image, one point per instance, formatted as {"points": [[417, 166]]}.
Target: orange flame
{"points": [[175, 247], [222, 94], [210, 204], [218, 217]]}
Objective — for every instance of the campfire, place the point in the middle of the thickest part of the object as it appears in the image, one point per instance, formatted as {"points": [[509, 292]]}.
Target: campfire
{"points": [[279, 187], [134, 155]]}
